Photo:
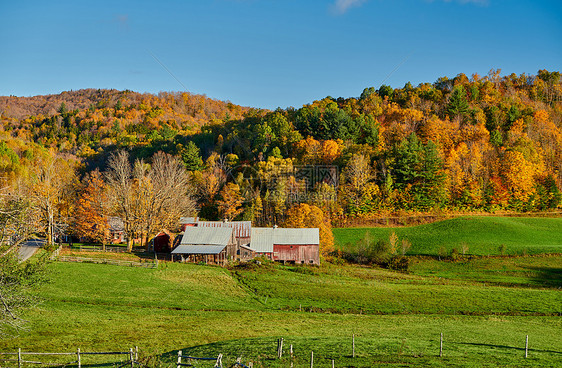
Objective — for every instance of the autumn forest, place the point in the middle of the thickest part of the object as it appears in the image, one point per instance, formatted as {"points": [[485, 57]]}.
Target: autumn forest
{"points": [[480, 143]]}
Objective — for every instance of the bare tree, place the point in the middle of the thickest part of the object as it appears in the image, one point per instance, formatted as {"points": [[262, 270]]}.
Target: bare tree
{"points": [[50, 190], [167, 195], [121, 188], [149, 197]]}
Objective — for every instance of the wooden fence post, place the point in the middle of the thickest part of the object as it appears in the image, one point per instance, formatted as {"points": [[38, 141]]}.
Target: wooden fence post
{"points": [[218, 364], [526, 345], [333, 363], [441, 345], [137, 353], [280, 350], [311, 359], [291, 350], [178, 365], [132, 357], [19, 357], [353, 345], [78, 355]]}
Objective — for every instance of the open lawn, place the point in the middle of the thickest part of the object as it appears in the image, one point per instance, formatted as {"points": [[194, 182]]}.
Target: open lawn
{"points": [[483, 235], [396, 317]]}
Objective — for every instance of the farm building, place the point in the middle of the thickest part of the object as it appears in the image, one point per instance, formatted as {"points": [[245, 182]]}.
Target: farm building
{"points": [[207, 244], [242, 229], [163, 242], [116, 230], [300, 246]]}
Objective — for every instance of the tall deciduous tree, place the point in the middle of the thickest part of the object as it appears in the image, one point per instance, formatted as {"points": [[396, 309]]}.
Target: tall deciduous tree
{"points": [[148, 197], [91, 213], [51, 188]]}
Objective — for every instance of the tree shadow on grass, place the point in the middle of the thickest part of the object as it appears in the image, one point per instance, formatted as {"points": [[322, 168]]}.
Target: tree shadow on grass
{"points": [[547, 276], [510, 347]]}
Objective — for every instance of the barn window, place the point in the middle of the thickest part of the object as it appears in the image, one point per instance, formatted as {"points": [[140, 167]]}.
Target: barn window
{"points": [[311, 261], [291, 247]]}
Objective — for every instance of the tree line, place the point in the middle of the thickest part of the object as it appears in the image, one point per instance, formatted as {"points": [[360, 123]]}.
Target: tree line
{"points": [[484, 143]]}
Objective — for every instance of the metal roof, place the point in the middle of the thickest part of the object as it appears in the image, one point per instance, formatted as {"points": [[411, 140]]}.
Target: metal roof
{"points": [[241, 228], [263, 238], [206, 236], [198, 249], [188, 220]]}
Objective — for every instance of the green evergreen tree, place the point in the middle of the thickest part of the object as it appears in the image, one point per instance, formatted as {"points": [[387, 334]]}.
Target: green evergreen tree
{"points": [[191, 157], [458, 103]]}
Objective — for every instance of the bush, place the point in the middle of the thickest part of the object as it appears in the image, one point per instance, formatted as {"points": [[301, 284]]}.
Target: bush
{"points": [[455, 255], [399, 263]]}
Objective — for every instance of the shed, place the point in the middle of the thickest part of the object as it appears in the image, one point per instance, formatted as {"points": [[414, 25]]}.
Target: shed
{"points": [[162, 243], [210, 245], [287, 245]]}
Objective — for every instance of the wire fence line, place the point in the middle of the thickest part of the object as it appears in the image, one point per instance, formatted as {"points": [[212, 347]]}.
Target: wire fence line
{"points": [[115, 262], [19, 361]]}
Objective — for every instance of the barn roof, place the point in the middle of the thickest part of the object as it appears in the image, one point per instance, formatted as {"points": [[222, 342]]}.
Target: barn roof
{"points": [[198, 249], [263, 238], [206, 236]]}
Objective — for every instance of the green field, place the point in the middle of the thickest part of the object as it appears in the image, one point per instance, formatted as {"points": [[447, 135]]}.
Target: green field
{"points": [[396, 317], [483, 235]]}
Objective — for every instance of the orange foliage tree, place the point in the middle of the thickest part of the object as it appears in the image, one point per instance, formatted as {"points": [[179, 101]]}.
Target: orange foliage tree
{"points": [[90, 220]]}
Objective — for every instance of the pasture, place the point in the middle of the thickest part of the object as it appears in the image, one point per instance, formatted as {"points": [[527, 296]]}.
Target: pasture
{"points": [[483, 235], [396, 317]]}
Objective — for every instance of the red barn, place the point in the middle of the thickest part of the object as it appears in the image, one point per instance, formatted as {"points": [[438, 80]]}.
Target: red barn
{"points": [[301, 246]]}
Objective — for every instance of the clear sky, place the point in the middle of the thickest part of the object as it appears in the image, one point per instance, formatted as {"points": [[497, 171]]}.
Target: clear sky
{"points": [[269, 53]]}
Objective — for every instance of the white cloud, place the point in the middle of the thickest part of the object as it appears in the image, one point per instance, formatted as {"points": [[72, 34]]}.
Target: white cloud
{"points": [[341, 6]]}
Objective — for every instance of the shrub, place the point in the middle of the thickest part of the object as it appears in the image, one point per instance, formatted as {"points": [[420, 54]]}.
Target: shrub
{"points": [[455, 255], [399, 263]]}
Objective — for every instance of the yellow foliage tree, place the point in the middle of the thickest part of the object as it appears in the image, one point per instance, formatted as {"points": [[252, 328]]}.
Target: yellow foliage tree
{"points": [[309, 216]]}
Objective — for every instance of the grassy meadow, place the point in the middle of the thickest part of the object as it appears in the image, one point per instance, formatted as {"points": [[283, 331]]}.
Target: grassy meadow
{"points": [[484, 306], [484, 235]]}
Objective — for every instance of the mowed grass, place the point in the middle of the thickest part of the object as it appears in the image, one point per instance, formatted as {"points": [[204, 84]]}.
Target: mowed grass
{"points": [[205, 310], [352, 289], [483, 235], [539, 271]]}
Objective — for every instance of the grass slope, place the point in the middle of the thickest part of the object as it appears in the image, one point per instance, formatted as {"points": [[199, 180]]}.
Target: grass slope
{"points": [[483, 235], [204, 310]]}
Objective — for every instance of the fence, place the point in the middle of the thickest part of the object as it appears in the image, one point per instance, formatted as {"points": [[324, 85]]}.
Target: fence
{"points": [[132, 357], [108, 261], [97, 248], [179, 364]]}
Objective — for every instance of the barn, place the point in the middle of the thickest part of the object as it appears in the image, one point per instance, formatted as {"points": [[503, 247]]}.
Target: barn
{"points": [[242, 229], [299, 246], [205, 244]]}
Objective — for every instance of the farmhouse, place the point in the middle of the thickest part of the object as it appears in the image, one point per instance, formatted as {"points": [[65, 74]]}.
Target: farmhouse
{"points": [[301, 246], [207, 244]]}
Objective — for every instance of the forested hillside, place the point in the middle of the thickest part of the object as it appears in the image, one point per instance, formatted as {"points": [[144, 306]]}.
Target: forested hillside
{"points": [[462, 144]]}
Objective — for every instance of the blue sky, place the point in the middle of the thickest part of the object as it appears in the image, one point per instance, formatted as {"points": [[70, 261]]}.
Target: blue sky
{"points": [[269, 53]]}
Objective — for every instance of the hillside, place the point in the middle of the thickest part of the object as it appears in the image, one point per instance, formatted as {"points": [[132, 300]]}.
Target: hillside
{"points": [[483, 235], [485, 143]]}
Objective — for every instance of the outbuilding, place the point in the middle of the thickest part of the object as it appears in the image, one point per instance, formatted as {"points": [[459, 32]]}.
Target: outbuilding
{"points": [[300, 246], [205, 244]]}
